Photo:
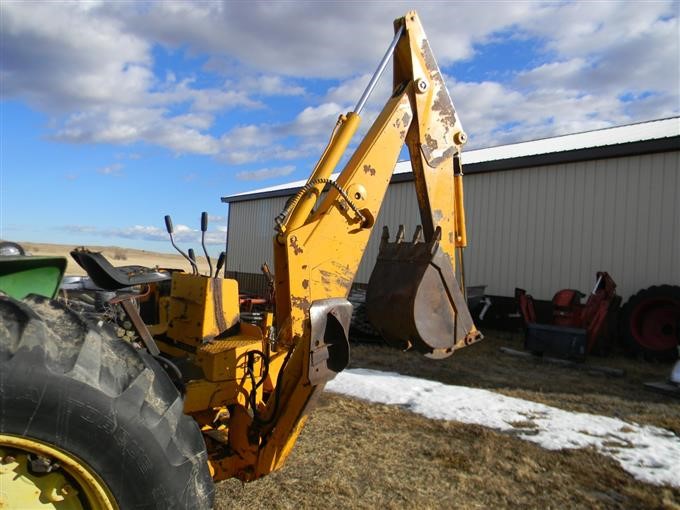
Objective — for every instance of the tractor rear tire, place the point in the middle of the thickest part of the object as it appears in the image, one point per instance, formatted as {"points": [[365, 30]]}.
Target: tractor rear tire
{"points": [[80, 391], [649, 323]]}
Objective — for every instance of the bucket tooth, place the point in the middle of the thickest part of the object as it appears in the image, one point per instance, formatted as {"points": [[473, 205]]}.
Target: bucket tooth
{"points": [[385, 237], [418, 235], [437, 234], [400, 234]]}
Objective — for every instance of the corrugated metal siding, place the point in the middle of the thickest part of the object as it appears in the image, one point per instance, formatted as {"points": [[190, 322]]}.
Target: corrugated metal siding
{"points": [[540, 228], [251, 233], [547, 228]]}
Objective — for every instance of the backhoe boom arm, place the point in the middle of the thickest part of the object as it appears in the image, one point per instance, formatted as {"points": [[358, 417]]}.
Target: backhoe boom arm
{"points": [[321, 239]]}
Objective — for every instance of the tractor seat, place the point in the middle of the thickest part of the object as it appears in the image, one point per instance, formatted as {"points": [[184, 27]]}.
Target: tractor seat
{"points": [[109, 277]]}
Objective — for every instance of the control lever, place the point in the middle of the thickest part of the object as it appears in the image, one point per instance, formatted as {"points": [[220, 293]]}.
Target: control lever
{"points": [[204, 228], [168, 227], [220, 263], [192, 256]]}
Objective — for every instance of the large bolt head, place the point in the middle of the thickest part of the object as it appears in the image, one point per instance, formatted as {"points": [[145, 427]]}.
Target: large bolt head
{"points": [[421, 85]]}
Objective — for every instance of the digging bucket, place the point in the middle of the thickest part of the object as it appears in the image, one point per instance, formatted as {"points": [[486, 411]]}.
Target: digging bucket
{"points": [[414, 300]]}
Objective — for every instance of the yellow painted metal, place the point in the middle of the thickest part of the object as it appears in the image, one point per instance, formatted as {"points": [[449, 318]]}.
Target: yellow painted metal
{"points": [[201, 308], [320, 258], [436, 140], [223, 360], [224, 364], [241, 463], [202, 394], [347, 126], [461, 231], [289, 418], [74, 486]]}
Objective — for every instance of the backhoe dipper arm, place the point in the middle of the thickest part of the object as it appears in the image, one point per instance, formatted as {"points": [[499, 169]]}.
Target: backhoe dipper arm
{"points": [[317, 251]]}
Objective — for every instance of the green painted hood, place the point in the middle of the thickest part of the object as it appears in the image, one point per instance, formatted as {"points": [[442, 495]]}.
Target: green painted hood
{"points": [[21, 276]]}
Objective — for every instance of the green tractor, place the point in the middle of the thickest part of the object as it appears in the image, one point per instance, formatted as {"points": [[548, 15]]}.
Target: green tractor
{"points": [[83, 414]]}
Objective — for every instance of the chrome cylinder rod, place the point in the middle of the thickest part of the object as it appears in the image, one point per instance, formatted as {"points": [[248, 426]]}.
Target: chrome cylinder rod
{"points": [[378, 73]]}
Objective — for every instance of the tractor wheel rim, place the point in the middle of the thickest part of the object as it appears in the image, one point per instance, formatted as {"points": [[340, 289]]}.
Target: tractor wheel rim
{"points": [[653, 324], [73, 485]]}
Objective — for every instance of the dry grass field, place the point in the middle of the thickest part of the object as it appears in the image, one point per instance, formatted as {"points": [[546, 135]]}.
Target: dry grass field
{"points": [[119, 256], [354, 454]]}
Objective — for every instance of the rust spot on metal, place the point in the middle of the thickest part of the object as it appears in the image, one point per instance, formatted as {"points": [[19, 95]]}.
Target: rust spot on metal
{"points": [[430, 61], [451, 237], [368, 169], [305, 284], [432, 144], [406, 119], [325, 276], [299, 302], [442, 102], [443, 106], [345, 276], [448, 153], [402, 134], [294, 244]]}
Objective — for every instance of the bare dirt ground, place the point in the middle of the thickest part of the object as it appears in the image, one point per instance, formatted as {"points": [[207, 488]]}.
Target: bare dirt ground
{"points": [[361, 455]]}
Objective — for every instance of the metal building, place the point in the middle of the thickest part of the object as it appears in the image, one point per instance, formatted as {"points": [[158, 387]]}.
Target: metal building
{"points": [[541, 215]]}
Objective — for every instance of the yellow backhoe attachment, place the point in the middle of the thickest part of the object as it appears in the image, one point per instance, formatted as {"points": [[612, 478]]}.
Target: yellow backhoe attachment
{"points": [[414, 297]]}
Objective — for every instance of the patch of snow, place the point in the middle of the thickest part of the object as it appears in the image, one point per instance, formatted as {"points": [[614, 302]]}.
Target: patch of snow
{"points": [[650, 454]]}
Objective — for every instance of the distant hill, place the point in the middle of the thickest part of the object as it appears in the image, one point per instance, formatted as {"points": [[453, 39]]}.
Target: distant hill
{"points": [[116, 255]]}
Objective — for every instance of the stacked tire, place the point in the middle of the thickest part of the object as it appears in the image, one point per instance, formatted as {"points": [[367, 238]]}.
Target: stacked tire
{"points": [[649, 322]]}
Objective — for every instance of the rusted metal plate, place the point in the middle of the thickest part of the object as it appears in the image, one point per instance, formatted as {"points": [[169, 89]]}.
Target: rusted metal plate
{"points": [[415, 302]]}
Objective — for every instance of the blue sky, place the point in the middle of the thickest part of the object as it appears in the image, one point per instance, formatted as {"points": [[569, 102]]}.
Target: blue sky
{"points": [[115, 114]]}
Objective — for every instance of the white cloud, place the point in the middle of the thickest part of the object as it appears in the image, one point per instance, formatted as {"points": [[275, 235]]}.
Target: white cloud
{"points": [[247, 144], [265, 173], [128, 125], [494, 114], [182, 233], [349, 91], [81, 63], [65, 52], [91, 66], [202, 99], [114, 170], [247, 136], [269, 85], [336, 39], [603, 56], [313, 120]]}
